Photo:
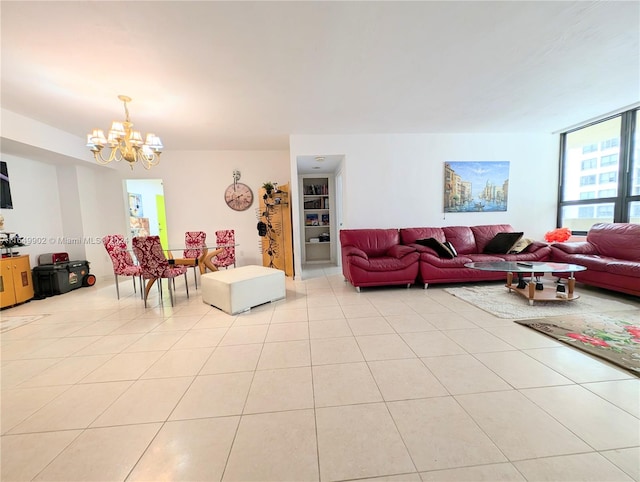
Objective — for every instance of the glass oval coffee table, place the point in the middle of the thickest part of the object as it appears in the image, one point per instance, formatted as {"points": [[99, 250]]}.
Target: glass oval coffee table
{"points": [[533, 268]]}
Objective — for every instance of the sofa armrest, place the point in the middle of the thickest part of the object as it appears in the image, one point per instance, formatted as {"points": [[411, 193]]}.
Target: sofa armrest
{"points": [[581, 247], [535, 246], [400, 251], [353, 251]]}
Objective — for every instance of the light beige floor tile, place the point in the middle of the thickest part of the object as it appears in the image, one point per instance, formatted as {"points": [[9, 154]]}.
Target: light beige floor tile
{"points": [[576, 365], [63, 347], [329, 329], [155, 341], [188, 450], [413, 477], [145, 401], [67, 372], [109, 344], [478, 341], [101, 454], [520, 370], [280, 390], [139, 325], [357, 441], [384, 347], [21, 349], [200, 338], [405, 379], [505, 416], [626, 459], [360, 311], [285, 354], [20, 403], [325, 313], [335, 350], [234, 358], [371, 325], [290, 451], [214, 396], [344, 384], [388, 308], [75, 408], [609, 427], [505, 472], [101, 327], [178, 323], [217, 319], [583, 467], [179, 363], [244, 335], [450, 321], [454, 438], [17, 371], [409, 323], [288, 331], [59, 330], [124, 366], [24, 456], [289, 315], [522, 337], [464, 374], [432, 343], [622, 393], [254, 317]]}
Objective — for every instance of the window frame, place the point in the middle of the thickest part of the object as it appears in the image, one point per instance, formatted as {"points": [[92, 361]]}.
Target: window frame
{"points": [[624, 197]]}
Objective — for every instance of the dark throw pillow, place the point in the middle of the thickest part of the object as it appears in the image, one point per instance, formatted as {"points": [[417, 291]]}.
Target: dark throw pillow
{"points": [[437, 246], [502, 243], [453, 250]]}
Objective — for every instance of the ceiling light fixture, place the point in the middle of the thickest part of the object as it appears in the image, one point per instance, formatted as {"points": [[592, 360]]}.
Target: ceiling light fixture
{"points": [[125, 143], [319, 159]]}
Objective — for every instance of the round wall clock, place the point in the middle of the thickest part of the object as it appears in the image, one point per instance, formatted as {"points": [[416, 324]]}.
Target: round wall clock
{"points": [[238, 196]]}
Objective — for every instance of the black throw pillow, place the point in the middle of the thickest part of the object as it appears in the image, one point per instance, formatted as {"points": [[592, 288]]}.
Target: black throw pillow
{"points": [[502, 243], [453, 250], [437, 246]]}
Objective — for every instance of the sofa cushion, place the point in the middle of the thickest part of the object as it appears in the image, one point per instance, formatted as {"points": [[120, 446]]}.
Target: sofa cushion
{"points": [[410, 235], [374, 242], [616, 240], [484, 233], [502, 243], [440, 248], [462, 238]]}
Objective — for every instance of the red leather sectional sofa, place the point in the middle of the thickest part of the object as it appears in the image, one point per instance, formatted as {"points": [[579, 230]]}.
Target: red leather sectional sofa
{"points": [[376, 257], [611, 254]]}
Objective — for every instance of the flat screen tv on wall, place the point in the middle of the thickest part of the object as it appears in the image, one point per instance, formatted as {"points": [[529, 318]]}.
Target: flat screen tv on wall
{"points": [[5, 189]]}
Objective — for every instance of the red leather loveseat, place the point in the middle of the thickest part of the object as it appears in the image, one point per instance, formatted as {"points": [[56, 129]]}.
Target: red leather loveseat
{"points": [[375, 257], [611, 254], [470, 243]]}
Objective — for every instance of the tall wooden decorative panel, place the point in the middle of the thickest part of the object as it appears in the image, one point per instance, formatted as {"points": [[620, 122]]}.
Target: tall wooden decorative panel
{"points": [[277, 243]]}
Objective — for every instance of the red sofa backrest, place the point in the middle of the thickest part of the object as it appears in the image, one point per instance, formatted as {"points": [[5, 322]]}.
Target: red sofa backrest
{"points": [[374, 242], [616, 240], [410, 235], [485, 233]]}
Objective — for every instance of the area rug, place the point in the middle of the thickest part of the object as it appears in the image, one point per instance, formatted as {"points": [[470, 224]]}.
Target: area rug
{"points": [[11, 322], [498, 301], [614, 337]]}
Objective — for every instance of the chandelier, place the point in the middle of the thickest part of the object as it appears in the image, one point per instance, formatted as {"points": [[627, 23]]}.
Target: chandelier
{"points": [[125, 143]]}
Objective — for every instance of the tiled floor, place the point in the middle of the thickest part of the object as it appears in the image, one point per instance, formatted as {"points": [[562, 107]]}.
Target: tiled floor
{"points": [[329, 384]]}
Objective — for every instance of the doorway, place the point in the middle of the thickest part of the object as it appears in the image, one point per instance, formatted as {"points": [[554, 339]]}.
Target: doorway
{"points": [[146, 209]]}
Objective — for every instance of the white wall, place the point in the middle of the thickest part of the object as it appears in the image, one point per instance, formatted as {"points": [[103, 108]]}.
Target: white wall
{"points": [[397, 180]]}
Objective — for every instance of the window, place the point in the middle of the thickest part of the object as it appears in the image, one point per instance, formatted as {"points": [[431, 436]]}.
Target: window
{"points": [[606, 193], [611, 160], [607, 177], [587, 180], [617, 173]]}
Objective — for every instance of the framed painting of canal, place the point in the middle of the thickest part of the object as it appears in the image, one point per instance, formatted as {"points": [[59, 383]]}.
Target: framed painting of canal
{"points": [[476, 186]]}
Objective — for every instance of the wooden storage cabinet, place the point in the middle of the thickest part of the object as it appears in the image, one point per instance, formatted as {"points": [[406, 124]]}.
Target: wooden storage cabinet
{"points": [[16, 285], [317, 219]]}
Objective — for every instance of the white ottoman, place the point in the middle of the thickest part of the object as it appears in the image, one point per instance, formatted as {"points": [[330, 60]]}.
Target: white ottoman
{"points": [[240, 289]]}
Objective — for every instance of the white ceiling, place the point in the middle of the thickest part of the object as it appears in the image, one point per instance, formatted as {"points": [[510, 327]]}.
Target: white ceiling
{"points": [[244, 75]]}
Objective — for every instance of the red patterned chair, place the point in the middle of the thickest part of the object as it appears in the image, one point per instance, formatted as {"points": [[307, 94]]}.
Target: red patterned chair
{"points": [[155, 265], [228, 255], [123, 264], [195, 242]]}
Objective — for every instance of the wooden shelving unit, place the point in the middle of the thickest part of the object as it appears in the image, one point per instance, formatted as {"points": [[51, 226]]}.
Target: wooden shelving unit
{"points": [[317, 219]]}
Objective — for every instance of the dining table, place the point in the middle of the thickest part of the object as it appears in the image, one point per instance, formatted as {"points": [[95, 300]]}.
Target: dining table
{"points": [[204, 261]]}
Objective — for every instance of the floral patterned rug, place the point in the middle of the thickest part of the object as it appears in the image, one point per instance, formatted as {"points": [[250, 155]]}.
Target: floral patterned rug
{"points": [[614, 337]]}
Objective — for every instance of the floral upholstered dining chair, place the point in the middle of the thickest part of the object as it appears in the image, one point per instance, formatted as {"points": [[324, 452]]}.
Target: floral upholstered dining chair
{"points": [[228, 255], [194, 242], [122, 261], [155, 265]]}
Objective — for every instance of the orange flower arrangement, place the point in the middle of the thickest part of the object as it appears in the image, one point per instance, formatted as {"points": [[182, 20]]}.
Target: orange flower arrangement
{"points": [[559, 235]]}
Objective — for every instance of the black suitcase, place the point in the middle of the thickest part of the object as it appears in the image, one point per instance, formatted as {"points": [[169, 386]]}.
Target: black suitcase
{"points": [[59, 278]]}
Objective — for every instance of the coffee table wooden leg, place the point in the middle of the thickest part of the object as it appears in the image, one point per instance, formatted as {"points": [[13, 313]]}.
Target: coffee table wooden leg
{"points": [[532, 290], [509, 279], [571, 284]]}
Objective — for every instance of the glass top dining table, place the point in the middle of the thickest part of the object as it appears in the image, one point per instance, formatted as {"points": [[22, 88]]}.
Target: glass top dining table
{"points": [[204, 261]]}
